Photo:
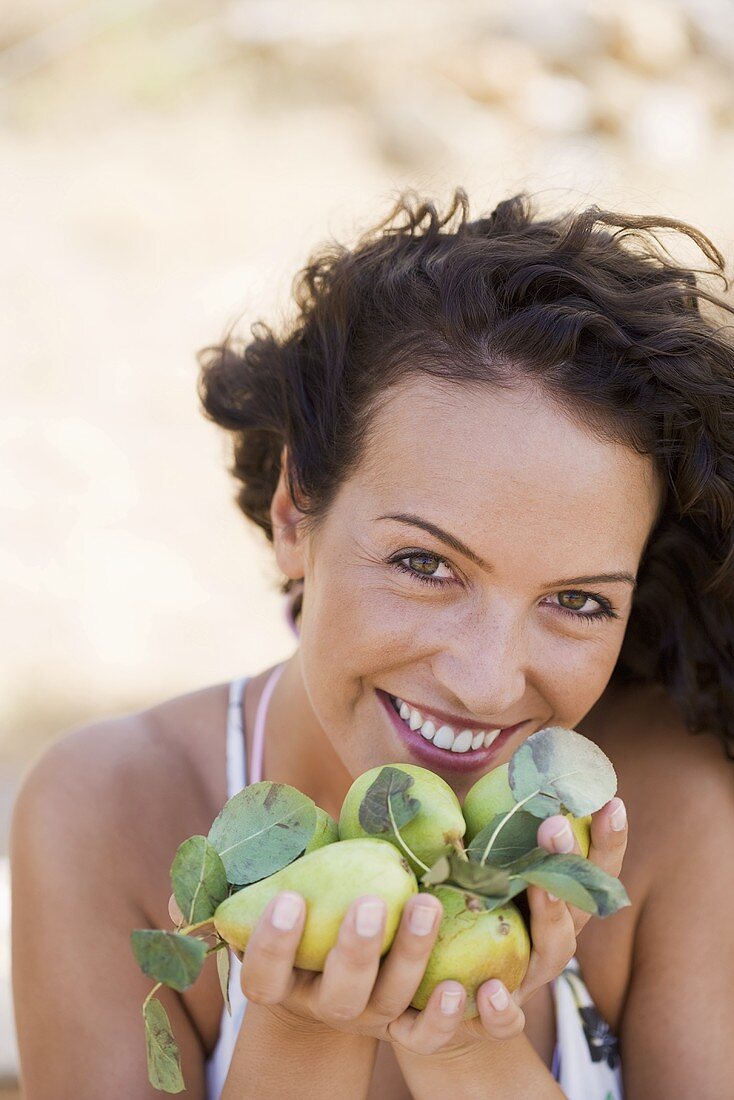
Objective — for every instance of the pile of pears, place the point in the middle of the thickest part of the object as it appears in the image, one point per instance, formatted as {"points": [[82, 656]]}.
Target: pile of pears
{"points": [[401, 830]]}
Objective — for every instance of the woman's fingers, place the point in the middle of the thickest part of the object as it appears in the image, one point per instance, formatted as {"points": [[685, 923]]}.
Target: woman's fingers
{"points": [[267, 967], [345, 986], [609, 836], [501, 1015], [403, 968], [606, 850], [553, 937], [436, 1026], [174, 912]]}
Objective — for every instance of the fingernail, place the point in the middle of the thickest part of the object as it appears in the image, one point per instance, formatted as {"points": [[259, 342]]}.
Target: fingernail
{"points": [[450, 1001], [563, 840], [499, 999], [369, 918], [286, 912], [551, 897], [422, 919], [618, 820]]}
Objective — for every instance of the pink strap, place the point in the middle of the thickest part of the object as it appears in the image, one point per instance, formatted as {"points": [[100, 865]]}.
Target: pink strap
{"points": [[258, 737]]}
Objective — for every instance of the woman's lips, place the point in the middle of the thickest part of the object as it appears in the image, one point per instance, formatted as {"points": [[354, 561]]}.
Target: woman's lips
{"points": [[427, 754]]}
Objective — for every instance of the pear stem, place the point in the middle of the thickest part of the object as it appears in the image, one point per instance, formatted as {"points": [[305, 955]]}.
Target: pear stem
{"points": [[400, 840], [459, 847], [504, 821], [217, 947]]}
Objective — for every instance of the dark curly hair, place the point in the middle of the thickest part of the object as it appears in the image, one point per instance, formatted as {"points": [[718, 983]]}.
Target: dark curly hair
{"points": [[589, 304]]}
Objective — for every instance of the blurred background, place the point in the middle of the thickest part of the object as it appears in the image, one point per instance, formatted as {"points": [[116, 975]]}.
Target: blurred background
{"points": [[165, 168]]}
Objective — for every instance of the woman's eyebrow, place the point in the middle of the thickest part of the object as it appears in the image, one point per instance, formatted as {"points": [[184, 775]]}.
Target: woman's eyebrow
{"points": [[462, 548]]}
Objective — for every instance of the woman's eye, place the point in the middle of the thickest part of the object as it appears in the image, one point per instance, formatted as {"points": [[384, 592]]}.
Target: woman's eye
{"points": [[425, 567], [573, 601], [582, 605]]}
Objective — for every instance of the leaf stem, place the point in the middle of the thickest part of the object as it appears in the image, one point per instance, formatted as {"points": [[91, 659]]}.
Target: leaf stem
{"points": [[504, 821], [193, 927], [400, 840], [153, 990]]}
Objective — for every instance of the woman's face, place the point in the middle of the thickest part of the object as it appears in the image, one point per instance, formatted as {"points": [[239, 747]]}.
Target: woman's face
{"points": [[479, 566]]}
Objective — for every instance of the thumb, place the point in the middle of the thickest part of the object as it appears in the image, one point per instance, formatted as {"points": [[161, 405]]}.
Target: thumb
{"points": [[174, 912]]}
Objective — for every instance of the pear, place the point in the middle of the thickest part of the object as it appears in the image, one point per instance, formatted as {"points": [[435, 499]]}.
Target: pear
{"points": [[434, 831], [326, 831], [329, 879], [493, 795], [473, 945]]}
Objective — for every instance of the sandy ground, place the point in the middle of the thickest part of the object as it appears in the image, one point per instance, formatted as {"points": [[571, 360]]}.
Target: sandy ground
{"points": [[165, 173]]}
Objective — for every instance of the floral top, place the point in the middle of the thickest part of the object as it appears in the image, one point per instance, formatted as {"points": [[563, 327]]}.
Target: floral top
{"points": [[586, 1062]]}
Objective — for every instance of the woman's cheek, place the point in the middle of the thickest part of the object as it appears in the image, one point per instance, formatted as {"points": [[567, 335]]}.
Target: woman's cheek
{"points": [[578, 679]]}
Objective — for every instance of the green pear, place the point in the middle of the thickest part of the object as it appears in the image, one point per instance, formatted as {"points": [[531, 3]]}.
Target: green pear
{"points": [[474, 945], [326, 831], [329, 879], [493, 795], [434, 831]]}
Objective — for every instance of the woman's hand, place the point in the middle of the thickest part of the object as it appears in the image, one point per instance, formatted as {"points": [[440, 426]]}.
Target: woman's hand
{"points": [[364, 995], [554, 925], [358, 992]]}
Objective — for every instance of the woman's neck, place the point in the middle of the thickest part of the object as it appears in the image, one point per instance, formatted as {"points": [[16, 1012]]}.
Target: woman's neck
{"points": [[296, 749]]}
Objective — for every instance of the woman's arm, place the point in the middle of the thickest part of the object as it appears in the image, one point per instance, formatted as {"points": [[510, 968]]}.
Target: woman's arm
{"points": [[492, 1071], [278, 1055], [675, 1033], [81, 828]]}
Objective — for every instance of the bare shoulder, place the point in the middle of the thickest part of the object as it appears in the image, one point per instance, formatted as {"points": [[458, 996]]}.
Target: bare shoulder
{"points": [[141, 781], [679, 788], [95, 827], [666, 775]]}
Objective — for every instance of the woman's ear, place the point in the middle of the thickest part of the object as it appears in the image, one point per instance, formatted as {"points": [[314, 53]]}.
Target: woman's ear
{"points": [[287, 535]]}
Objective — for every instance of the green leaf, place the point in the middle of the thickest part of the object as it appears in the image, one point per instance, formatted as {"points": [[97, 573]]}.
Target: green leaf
{"points": [[198, 879], [168, 957], [262, 829], [518, 836], [570, 772], [481, 878], [573, 878], [223, 966], [164, 1062], [386, 804], [491, 885]]}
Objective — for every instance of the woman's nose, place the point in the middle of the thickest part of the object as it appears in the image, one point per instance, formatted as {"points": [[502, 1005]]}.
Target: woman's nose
{"points": [[486, 669]]}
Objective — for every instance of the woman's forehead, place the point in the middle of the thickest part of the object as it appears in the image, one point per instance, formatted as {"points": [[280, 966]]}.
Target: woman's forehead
{"points": [[483, 456]]}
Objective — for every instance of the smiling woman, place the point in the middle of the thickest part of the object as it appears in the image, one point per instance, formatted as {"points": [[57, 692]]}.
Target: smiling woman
{"points": [[495, 462]]}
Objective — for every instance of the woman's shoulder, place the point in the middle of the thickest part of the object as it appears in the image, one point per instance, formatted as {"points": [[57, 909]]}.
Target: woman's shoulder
{"points": [[169, 740], [666, 774], [644, 733], [110, 801], [154, 776]]}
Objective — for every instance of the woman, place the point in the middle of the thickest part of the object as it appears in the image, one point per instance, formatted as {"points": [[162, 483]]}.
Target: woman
{"points": [[494, 459]]}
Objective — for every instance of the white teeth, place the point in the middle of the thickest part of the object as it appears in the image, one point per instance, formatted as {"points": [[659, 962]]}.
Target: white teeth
{"points": [[415, 720], [444, 738], [462, 741]]}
